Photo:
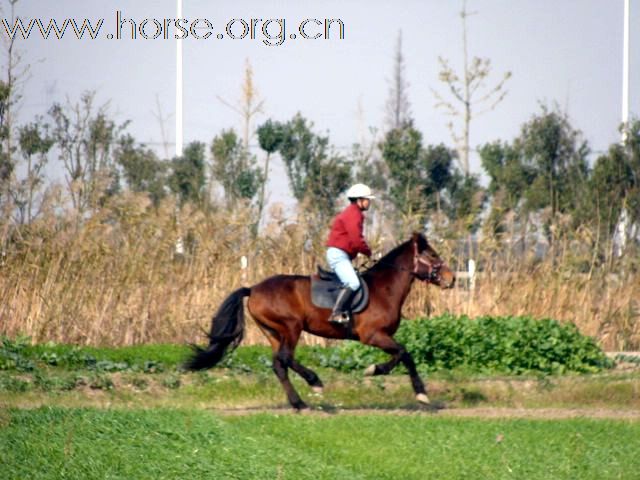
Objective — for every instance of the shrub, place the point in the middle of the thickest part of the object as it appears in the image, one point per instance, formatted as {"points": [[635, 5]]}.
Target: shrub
{"points": [[13, 354], [501, 344], [509, 345]]}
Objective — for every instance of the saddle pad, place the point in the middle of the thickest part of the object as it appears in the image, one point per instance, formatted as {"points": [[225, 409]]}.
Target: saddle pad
{"points": [[324, 294]]}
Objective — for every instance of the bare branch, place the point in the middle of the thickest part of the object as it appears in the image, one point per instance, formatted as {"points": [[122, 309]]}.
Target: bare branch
{"points": [[249, 104], [464, 91]]}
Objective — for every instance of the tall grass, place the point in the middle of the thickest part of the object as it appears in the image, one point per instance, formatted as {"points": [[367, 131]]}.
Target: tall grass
{"points": [[116, 278]]}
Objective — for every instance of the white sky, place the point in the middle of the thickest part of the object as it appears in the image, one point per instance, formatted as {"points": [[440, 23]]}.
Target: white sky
{"points": [[564, 51]]}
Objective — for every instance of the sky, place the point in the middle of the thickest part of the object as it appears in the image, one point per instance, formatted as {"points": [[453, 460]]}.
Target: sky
{"points": [[562, 52]]}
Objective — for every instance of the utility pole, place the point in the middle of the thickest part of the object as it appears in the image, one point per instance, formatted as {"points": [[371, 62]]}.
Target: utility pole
{"points": [[622, 227], [179, 138], [179, 246], [625, 70]]}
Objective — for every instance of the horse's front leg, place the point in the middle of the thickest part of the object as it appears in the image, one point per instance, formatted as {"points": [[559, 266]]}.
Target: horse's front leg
{"points": [[308, 375], [399, 354]]}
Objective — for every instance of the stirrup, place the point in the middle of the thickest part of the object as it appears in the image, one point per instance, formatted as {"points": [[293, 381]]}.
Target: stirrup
{"points": [[341, 318]]}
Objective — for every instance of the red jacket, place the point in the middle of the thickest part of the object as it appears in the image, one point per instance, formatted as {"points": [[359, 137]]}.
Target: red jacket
{"points": [[346, 232]]}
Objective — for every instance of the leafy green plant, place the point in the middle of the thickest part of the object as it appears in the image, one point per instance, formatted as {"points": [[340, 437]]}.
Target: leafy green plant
{"points": [[172, 382], [72, 357], [626, 358], [501, 344], [510, 345], [53, 383], [139, 382], [13, 354], [14, 384], [101, 382], [249, 359], [151, 366]]}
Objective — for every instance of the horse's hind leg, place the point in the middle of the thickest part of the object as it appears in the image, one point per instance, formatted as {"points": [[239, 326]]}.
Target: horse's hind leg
{"points": [[282, 360], [307, 374]]}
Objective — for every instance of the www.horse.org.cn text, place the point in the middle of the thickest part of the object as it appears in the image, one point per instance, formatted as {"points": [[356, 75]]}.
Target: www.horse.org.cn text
{"points": [[271, 32]]}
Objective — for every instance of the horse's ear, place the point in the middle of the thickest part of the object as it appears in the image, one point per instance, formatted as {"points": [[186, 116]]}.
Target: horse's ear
{"points": [[420, 241], [415, 240]]}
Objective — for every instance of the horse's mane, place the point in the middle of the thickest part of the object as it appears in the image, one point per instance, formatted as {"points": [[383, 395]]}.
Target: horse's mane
{"points": [[390, 258]]}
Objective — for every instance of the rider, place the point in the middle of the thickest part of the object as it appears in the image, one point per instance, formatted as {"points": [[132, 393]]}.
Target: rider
{"points": [[344, 243]]}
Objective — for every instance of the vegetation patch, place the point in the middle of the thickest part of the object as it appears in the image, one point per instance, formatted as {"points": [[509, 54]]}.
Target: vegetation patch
{"points": [[489, 345], [506, 345]]}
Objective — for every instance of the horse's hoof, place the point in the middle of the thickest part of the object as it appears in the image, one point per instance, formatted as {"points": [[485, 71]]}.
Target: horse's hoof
{"points": [[317, 390], [422, 398], [299, 406], [370, 371]]}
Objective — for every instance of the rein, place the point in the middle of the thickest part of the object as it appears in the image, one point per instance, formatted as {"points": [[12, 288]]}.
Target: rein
{"points": [[434, 270]]}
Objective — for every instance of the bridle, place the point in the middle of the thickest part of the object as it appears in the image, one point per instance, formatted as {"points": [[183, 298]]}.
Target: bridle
{"points": [[433, 269], [433, 274]]}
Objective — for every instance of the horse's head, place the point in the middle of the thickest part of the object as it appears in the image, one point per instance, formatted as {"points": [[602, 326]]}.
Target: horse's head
{"points": [[427, 264]]}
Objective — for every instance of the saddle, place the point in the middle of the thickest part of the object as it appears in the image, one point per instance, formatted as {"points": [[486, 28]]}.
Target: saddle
{"points": [[325, 286]]}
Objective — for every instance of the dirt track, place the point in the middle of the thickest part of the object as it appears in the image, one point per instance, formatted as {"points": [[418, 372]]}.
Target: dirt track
{"points": [[482, 412]]}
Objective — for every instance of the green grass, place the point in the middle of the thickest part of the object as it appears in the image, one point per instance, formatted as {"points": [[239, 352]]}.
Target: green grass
{"points": [[58, 375], [55, 443], [137, 356], [131, 413], [225, 388]]}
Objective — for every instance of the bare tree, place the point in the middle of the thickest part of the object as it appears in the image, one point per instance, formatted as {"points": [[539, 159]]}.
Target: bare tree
{"points": [[471, 96], [398, 109], [162, 119], [249, 104]]}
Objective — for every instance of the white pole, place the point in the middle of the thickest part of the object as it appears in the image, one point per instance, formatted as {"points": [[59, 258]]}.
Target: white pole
{"points": [[179, 139], [179, 247], [622, 228], [625, 70]]}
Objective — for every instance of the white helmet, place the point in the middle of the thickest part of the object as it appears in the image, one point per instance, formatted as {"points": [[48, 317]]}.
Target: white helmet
{"points": [[359, 190]]}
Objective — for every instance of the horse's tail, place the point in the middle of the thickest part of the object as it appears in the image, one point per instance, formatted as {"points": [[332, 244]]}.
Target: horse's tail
{"points": [[227, 331]]}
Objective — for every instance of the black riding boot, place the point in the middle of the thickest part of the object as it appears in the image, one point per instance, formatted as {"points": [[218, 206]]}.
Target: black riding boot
{"points": [[340, 314]]}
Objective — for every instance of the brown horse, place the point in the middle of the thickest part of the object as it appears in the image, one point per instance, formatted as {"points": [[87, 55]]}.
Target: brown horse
{"points": [[281, 306]]}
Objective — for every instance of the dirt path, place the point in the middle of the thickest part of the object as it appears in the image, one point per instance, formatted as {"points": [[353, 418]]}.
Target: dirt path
{"points": [[480, 412], [543, 413]]}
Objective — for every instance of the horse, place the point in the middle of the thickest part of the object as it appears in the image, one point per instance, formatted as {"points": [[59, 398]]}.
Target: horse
{"points": [[281, 307]]}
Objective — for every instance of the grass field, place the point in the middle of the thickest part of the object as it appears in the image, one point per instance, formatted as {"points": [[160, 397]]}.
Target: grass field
{"points": [[130, 413], [55, 443]]}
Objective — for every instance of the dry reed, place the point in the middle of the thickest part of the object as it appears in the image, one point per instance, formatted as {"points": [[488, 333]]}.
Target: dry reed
{"points": [[116, 278]]}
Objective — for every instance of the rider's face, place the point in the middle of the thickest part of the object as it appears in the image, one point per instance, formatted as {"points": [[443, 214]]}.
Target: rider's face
{"points": [[364, 203]]}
